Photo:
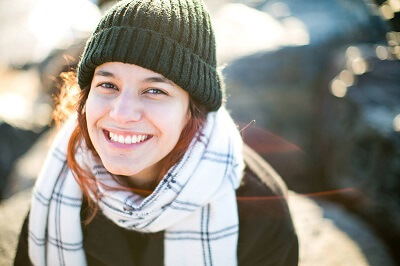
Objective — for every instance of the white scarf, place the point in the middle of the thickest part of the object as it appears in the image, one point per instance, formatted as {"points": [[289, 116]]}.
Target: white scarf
{"points": [[195, 203]]}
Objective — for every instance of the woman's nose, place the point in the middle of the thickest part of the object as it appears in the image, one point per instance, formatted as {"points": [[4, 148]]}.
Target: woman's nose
{"points": [[126, 108]]}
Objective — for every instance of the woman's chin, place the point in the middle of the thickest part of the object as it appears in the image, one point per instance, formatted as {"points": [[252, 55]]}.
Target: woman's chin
{"points": [[124, 172]]}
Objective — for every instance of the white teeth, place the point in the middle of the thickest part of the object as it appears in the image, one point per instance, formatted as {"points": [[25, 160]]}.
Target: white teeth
{"points": [[128, 139]]}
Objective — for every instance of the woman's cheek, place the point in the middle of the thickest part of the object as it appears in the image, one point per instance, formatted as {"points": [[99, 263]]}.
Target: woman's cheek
{"points": [[95, 108], [173, 114]]}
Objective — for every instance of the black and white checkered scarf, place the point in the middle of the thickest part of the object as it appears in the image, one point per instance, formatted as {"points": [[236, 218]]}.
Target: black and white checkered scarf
{"points": [[194, 204]]}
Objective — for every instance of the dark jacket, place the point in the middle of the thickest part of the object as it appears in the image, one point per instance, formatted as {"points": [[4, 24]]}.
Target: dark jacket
{"points": [[266, 232]]}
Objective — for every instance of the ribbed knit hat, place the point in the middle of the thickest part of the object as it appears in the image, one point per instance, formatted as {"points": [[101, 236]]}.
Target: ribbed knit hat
{"points": [[170, 37]]}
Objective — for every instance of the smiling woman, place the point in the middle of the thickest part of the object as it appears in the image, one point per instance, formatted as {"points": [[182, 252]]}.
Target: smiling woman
{"points": [[150, 169]]}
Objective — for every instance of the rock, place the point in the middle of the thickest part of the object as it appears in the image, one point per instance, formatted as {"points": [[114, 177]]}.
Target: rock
{"points": [[317, 141], [12, 213], [330, 236], [26, 169], [279, 88], [359, 137], [14, 208], [13, 143]]}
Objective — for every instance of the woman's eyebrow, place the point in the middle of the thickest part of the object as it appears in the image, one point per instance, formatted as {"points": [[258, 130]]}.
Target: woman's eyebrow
{"points": [[104, 73], [158, 79]]}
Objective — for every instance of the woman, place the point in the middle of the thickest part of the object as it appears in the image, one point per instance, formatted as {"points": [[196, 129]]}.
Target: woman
{"points": [[151, 169]]}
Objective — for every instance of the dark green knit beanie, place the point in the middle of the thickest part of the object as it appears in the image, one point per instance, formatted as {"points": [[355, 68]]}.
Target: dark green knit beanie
{"points": [[170, 37]]}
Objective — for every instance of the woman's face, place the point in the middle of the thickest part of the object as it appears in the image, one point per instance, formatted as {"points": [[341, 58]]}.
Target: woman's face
{"points": [[134, 117]]}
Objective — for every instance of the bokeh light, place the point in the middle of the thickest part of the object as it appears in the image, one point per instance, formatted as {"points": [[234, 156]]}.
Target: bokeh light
{"points": [[359, 66], [396, 123], [393, 38], [355, 61], [353, 52], [382, 52], [386, 11], [338, 88], [347, 77], [395, 5]]}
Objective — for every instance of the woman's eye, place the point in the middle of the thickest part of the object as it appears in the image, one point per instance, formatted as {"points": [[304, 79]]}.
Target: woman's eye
{"points": [[107, 85], [155, 91]]}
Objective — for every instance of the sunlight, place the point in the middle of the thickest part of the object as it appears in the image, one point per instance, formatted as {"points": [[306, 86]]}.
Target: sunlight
{"points": [[242, 30], [14, 106], [56, 23]]}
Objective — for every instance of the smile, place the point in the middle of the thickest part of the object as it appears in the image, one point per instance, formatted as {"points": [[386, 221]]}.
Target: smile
{"points": [[127, 139]]}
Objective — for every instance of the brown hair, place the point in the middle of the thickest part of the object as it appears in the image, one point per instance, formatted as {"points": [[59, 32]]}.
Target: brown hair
{"points": [[71, 99]]}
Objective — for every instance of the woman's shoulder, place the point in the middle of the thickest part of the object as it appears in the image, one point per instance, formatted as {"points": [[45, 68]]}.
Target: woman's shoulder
{"points": [[260, 179], [262, 196], [266, 232]]}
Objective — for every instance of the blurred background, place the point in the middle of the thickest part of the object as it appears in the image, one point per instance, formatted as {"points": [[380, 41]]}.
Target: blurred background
{"points": [[314, 86]]}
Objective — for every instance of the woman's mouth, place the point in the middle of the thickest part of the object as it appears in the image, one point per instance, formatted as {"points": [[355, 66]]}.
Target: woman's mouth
{"points": [[126, 138]]}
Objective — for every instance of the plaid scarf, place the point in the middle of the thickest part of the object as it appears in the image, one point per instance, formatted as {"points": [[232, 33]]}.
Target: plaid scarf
{"points": [[194, 204]]}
